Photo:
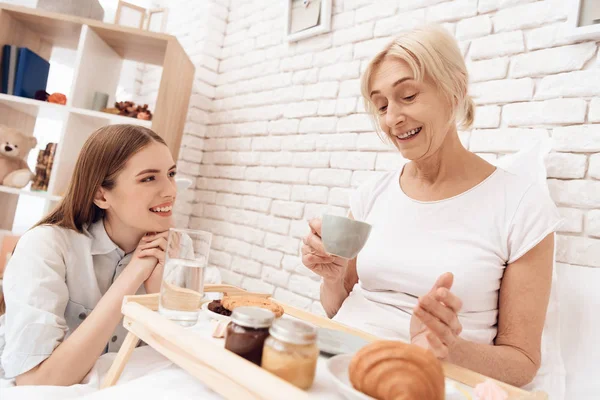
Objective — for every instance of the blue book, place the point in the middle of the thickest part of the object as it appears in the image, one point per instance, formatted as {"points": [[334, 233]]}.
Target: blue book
{"points": [[9, 67], [32, 73], [5, 67]]}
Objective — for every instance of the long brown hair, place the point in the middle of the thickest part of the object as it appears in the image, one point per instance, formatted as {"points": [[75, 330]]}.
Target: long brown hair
{"points": [[100, 161]]}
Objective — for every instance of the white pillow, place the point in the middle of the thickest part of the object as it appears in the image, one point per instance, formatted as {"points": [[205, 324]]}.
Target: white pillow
{"points": [[550, 378], [528, 162], [578, 294]]}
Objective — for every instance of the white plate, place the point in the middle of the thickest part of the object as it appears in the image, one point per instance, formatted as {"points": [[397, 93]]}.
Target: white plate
{"points": [[336, 342], [214, 315], [337, 368]]}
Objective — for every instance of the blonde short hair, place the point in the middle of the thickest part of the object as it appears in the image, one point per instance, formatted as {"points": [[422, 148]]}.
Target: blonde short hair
{"points": [[429, 51]]}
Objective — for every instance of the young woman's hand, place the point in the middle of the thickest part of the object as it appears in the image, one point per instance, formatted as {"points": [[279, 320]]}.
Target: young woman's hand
{"points": [[148, 261], [154, 247], [315, 258]]}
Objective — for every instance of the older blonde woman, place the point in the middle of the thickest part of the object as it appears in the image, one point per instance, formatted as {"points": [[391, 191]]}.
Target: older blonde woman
{"points": [[461, 253]]}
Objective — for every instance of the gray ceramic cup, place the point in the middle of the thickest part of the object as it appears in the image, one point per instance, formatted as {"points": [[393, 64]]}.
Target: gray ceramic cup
{"points": [[344, 237]]}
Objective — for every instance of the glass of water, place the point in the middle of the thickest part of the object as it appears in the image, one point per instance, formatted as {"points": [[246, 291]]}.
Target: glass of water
{"points": [[182, 287]]}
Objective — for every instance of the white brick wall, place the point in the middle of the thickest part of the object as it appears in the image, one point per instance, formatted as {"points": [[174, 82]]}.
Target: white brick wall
{"points": [[578, 193], [400, 21], [452, 11], [573, 220], [487, 117], [547, 36], [578, 138], [594, 114], [475, 27], [548, 112], [594, 168], [502, 91], [527, 16], [504, 139], [486, 70], [592, 223], [552, 61], [571, 84], [277, 133], [578, 250], [566, 166], [500, 44]]}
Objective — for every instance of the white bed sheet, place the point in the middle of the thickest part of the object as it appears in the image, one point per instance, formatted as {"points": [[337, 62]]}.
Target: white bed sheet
{"points": [[147, 375]]}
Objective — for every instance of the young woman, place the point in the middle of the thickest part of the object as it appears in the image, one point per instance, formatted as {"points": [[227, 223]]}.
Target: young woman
{"points": [[65, 282], [460, 256]]}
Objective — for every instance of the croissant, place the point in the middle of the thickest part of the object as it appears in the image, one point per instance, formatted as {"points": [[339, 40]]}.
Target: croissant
{"points": [[391, 370]]}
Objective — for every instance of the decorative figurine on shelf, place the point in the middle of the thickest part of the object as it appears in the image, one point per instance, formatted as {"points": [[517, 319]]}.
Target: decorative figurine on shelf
{"points": [[43, 167], [144, 113], [14, 148], [129, 109]]}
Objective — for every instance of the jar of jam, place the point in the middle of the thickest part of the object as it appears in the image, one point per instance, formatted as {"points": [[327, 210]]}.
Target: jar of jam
{"points": [[247, 332], [291, 352]]}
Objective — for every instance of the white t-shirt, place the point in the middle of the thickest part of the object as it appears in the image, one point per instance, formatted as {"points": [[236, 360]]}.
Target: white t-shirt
{"points": [[474, 235]]}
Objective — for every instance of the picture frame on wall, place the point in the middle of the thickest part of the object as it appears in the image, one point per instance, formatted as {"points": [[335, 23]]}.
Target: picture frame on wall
{"points": [[130, 15], [306, 18], [157, 19], [584, 20]]}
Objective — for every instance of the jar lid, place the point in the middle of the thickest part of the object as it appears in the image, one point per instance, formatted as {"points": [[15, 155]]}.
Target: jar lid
{"points": [[292, 331], [252, 317]]}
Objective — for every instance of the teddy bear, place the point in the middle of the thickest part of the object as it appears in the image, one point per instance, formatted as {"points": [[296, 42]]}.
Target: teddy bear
{"points": [[14, 148]]}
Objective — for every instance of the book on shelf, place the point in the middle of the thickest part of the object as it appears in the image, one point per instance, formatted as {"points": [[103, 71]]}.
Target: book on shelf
{"points": [[43, 168], [23, 71], [9, 67]]}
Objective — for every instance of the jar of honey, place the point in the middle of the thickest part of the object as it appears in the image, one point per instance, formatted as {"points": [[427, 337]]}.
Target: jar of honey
{"points": [[247, 332], [291, 352]]}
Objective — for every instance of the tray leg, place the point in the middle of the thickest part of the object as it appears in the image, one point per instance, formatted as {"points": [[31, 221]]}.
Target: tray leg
{"points": [[114, 373]]}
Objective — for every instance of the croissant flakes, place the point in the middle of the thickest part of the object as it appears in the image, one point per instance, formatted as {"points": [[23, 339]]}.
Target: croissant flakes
{"points": [[391, 370]]}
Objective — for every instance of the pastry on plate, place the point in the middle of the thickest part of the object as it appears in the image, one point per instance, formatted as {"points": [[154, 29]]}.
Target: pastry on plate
{"points": [[229, 303], [392, 370]]}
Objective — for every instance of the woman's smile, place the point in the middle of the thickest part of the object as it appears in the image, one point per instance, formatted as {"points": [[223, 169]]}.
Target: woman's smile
{"points": [[409, 134], [163, 210]]}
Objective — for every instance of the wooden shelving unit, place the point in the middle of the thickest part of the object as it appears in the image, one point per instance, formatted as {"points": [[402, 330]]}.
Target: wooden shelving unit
{"points": [[100, 51]]}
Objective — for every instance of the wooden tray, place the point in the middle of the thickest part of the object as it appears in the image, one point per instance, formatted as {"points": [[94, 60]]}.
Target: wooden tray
{"points": [[208, 363]]}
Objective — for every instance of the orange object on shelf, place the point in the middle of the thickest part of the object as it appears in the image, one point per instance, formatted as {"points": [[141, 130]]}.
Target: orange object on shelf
{"points": [[57, 98]]}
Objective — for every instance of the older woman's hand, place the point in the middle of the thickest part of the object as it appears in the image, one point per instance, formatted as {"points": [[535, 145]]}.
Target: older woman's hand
{"points": [[434, 324], [315, 258]]}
